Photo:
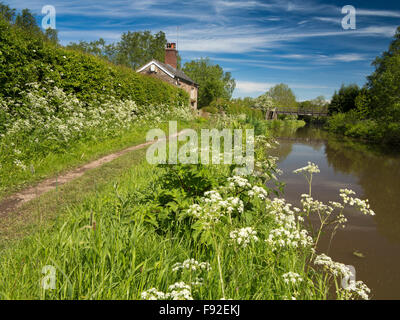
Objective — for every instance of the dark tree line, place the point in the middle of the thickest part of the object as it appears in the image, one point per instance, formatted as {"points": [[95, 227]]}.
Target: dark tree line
{"points": [[26, 20]]}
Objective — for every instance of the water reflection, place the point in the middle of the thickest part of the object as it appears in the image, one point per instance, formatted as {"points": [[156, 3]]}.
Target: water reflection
{"points": [[373, 174]]}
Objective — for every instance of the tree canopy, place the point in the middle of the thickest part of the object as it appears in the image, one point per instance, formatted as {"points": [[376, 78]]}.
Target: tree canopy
{"points": [[264, 102], [283, 96], [382, 96], [345, 99], [133, 50], [213, 81]]}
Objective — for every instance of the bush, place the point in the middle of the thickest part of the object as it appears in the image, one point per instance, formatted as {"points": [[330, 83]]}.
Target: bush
{"points": [[374, 131], [210, 109]]}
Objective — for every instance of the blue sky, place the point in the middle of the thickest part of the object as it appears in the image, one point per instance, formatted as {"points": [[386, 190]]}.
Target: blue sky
{"points": [[262, 43]]}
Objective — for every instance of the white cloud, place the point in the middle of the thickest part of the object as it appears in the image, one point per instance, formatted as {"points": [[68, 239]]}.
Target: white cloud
{"points": [[320, 58], [248, 87], [252, 87], [347, 57], [330, 20], [378, 13]]}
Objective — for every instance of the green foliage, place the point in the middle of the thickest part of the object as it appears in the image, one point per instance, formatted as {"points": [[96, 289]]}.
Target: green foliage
{"points": [[27, 21], [375, 109], [31, 59], [6, 12], [133, 50], [220, 104], [97, 48], [264, 102], [345, 99], [213, 82], [283, 96], [374, 131], [171, 194], [384, 84], [211, 109], [318, 104]]}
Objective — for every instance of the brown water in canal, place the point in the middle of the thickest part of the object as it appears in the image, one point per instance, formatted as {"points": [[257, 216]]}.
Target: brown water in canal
{"points": [[372, 174]]}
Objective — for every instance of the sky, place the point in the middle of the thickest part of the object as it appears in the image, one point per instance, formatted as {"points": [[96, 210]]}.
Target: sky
{"points": [[262, 43]]}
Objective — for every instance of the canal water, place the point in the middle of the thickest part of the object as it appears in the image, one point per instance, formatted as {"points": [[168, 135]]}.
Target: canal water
{"points": [[370, 244]]}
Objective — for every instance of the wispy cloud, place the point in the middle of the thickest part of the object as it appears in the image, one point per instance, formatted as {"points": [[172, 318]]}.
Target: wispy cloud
{"points": [[378, 13], [249, 87]]}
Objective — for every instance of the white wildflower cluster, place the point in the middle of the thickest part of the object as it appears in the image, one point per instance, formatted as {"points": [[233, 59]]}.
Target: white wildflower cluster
{"points": [[324, 211], [243, 236], [292, 278], [362, 205], [311, 168], [212, 207], [238, 182], [56, 119], [335, 268], [180, 291], [309, 204], [283, 238], [357, 289], [289, 233], [20, 164], [153, 294], [176, 291], [197, 282], [192, 265], [259, 192]]}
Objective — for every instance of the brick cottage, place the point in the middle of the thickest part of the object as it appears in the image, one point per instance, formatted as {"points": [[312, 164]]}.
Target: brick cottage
{"points": [[168, 72]]}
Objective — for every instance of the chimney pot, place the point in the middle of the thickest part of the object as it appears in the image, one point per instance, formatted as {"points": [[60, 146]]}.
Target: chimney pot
{"points": [[171, 54]]}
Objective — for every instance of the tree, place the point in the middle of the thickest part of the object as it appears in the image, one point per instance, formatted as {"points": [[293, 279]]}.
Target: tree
{"points": [[133, 50], [51, 35], [97, 48], [382, 99], [213, 82], [283, 96], [137, 48], [6, 12], [265, 103], [345, 99], [27, 21]]}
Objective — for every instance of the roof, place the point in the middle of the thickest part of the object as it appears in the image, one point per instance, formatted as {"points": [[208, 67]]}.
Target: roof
{"points": [[171, 71]]}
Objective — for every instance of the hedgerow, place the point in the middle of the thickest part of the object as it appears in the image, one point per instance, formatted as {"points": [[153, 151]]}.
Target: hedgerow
{"points": [[25, 58]]}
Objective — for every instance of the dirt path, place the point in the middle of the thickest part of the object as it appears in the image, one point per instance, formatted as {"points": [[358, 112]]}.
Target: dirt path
{"points": [[13, 202]]}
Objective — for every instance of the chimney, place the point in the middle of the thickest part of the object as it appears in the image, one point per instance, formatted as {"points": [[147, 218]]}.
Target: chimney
{"points": [[171, 54]]}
